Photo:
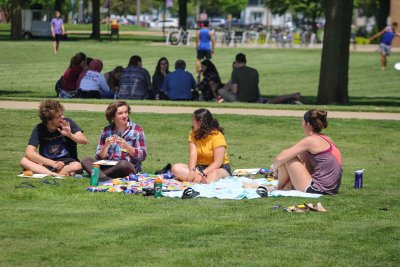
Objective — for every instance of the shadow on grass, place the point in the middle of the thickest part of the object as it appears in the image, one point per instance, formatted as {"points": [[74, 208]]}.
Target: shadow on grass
{"points": [[13, 93], [5, 36], [355, 101]]}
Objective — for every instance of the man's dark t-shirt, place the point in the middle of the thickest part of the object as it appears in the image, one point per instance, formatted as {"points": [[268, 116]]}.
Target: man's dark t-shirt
{"points": [[246, 79], [53, 145]]}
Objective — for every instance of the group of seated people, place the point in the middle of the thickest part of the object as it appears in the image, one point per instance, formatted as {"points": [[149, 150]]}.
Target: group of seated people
{"points": [[312, 165], [83, 79]]}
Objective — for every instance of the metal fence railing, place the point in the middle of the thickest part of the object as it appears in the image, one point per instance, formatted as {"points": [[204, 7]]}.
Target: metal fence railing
{"points": [[234, 38]]}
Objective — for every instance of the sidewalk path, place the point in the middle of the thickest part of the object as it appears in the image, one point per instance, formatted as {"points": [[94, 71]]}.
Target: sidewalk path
{"points": [[178, 110]]}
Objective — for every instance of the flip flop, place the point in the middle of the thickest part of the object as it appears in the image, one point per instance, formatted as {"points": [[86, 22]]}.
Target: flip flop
{"points": [[49, 182], [189, 193], [317, 207], [25, 185], [262, 191], [297, 208]]}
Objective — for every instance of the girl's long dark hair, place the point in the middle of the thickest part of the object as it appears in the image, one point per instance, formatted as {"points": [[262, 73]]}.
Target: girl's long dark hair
{"points": [[207, 123], [158, 70], [210, 67]]}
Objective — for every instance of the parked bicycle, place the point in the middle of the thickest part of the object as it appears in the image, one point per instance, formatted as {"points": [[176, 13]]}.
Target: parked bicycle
{"points": [[179, 36]]}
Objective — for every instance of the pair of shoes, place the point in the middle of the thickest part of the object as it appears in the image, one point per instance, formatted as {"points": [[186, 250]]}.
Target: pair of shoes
{"points": [[297, 208], [306, 207], [189, 193], [316, 207], [166, 169]]}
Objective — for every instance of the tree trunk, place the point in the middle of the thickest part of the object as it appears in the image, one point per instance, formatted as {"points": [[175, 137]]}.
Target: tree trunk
{"points": [[383, 13], [333, 79], [58, 4], [182, 13], [138, 11], [16, 19], [96, 20]]}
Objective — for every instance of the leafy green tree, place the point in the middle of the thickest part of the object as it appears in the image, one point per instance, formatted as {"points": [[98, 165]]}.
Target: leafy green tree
{"points": [[219, 8], [310, 9], [233, 7], [5, 6], [333, 79], [125, 7], [380, 9]]}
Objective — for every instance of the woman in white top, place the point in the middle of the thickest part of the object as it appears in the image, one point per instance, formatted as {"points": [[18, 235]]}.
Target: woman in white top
{"points": [[92, 83]]}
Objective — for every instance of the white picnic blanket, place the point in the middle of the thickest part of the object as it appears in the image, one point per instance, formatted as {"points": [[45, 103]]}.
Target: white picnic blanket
{"points": [[232, 188]]}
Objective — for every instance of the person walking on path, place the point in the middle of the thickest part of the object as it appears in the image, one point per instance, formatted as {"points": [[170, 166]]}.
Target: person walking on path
{"points": [[204, 44], [57, 30], [388, 34]]}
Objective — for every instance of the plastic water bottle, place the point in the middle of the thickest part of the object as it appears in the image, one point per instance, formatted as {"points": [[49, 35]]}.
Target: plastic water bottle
{"points": [[94, 178], [358, 179], [158, 188], [118, 152]]}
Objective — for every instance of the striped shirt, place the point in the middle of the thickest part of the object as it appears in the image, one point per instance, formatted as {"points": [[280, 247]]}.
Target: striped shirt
{"points": [[134, 136]]}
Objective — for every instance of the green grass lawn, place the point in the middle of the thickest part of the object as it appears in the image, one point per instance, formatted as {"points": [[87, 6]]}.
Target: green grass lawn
{"points": [[29, 69], [66, 226]]}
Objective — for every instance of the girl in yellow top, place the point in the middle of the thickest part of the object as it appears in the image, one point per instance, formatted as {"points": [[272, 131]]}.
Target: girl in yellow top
{"points": [[208, 157]]}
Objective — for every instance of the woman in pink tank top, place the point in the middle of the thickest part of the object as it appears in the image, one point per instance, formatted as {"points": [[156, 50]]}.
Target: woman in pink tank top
{"points": [[314, 164]]}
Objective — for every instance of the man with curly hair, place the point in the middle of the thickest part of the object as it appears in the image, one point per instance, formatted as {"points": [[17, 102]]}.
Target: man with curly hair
{"points": [[56, 137]]}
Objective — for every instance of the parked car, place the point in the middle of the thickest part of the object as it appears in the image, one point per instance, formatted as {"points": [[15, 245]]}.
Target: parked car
{"points": [[217, 22], [235, 23], [123, 21], [170, 22], [152, 22]]}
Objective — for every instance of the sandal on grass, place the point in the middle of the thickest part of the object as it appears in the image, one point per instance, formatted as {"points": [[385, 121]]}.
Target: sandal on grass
{"points": [[316, 207], [49, 182], [25, 185], [189, 193], [262, 191], [297, 208]]}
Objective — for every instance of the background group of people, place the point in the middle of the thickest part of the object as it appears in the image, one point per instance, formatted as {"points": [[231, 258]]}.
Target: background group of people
{"points": [[312, 165], [83, 79]]}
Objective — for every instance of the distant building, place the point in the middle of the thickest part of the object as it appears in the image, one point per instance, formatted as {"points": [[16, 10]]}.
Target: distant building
{"points": [[256, 12]]}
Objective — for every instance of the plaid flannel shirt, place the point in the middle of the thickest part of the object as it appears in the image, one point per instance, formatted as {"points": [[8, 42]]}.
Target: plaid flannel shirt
{"points": [[134, 136]]}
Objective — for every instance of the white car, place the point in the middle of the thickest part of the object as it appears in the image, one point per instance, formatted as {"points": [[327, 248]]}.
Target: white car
{"points": [[170, 22], [217, 22]]}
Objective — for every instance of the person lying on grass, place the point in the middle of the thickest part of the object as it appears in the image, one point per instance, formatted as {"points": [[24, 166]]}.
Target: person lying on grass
{"points": [[314, 164], [208, 157], [122, 140], [56, 138]]}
